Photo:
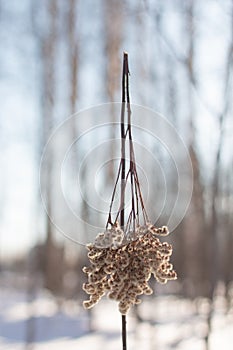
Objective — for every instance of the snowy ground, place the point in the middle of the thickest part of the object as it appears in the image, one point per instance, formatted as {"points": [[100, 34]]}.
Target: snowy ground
{"points": [[172, 324]]}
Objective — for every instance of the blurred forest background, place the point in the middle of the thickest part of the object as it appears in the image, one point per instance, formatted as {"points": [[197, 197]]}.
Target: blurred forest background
{"points": [[59, 57]]}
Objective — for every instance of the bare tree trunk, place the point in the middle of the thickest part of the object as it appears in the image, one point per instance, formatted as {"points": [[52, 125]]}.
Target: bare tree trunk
{"points": [[215, 196], [195, 220], [226, 226], [48, 44], [72, 39], [73, 50], [113, 38]]}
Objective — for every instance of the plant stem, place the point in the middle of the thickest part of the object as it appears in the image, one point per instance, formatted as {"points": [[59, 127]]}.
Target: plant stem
{"points": [[123, 138], [124, 332]]}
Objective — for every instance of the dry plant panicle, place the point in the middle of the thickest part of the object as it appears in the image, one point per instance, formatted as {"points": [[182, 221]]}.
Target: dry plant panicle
{"points": [[124, 270], [125, 256]]}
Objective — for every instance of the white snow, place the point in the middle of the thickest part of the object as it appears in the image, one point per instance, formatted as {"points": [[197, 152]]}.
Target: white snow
{"points": [[171, 323]]}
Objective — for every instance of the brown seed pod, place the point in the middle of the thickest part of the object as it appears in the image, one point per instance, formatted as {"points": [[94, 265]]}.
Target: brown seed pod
{"points": [[147, 290], [87, 304], [89, 288], [87, 269]]}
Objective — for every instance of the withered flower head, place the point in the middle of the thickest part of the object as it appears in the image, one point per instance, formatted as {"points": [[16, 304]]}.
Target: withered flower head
{"points": [[123, 271]]}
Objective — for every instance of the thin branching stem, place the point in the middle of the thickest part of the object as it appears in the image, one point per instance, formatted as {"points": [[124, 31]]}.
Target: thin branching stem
{"points": [[123, 182], [137, 203], [113, 195], [124, 175], [116, 241]]}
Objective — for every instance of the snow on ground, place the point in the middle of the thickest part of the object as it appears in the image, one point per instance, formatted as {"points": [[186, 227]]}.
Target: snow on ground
{"points": [[171, 323]]}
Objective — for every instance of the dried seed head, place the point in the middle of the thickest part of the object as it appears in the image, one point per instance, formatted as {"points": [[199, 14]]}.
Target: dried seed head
{"points": [[160, 279], [137, 301], [171, 275], [104, 239], [89, 288], [87, 304], [124, 270], [138, 290], [108, 269], [123, 310], [123, 307], [161, 231], [141, 230], [87, 269], [131, 236], [147, 290]]}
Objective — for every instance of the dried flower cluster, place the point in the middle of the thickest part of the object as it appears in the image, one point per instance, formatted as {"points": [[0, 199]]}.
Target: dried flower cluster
{"points": [[122, 266]]}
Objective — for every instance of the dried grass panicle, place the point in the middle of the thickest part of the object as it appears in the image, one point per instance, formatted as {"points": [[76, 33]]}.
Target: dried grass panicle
{"points": [[122, 266]]}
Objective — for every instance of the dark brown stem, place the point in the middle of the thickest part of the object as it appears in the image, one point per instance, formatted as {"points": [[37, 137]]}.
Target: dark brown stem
{"points": [[136, 194], [135, 185], [123, 138], [123, 176], [113, 196]]}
